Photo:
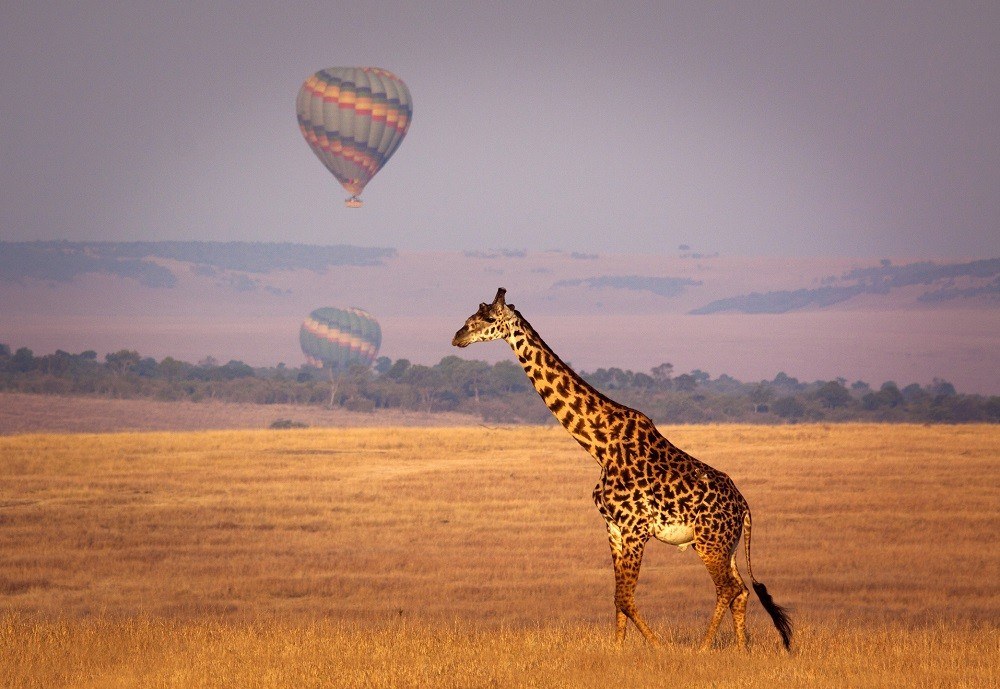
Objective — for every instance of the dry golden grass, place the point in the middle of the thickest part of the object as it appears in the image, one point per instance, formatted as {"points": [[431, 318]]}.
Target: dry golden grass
{"points": [[474, 557], [152, 653]]}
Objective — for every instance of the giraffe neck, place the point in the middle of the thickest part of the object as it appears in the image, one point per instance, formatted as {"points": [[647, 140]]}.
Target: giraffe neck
{"points": [[582, 410]]}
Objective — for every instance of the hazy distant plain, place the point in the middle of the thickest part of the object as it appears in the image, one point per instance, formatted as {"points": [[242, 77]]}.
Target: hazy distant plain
{"points": [[421, 298]]}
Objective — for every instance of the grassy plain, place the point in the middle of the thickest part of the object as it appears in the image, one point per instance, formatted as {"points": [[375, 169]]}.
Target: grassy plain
{"points": [[467, 557], [29, 413]]}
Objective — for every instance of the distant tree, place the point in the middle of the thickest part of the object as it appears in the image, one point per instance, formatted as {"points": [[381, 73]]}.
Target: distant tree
{"points": [[942, 387], [685, 382], [784, 381], [728, 384], [700, 376], [992, 409], [914, 394], [600, 378], [22, 361], [56, 364], [662, 373], [833, 395], [4, 351], [962, 408], [446, 400], [464, 377], [860, 387], [234, 369], [643, 381], [762, 394], [788, 408], [887, 397], [171, 369], [618, 379], [507, 376], [426, 380], [891, 395], [398, 369], [123, 361], [382, 365], [146, 367], [476, 376]]}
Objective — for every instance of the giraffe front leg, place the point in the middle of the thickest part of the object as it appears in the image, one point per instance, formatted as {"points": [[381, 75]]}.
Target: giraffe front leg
{"points": [[626, 555], [621, 619], [621, 626]]}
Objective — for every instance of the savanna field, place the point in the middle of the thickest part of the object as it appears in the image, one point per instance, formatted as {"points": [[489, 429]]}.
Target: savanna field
{"points": [[474, 557]]}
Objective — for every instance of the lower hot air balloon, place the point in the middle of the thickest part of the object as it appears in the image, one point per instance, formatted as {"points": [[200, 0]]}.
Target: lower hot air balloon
{"points": [[337, 339], [354, 119], [340, 338]]}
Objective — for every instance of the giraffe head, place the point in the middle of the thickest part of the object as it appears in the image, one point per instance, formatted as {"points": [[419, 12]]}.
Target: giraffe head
{"points": [[490, 322]]}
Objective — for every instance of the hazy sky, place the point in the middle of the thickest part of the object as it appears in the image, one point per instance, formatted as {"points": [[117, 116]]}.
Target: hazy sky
{"points": [[859, 129]]}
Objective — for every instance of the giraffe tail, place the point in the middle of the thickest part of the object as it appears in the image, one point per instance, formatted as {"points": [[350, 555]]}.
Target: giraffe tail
{"points": [[779, 615]]}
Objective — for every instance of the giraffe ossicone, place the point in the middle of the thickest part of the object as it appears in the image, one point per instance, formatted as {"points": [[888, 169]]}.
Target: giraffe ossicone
{"points": [[648, 488]]}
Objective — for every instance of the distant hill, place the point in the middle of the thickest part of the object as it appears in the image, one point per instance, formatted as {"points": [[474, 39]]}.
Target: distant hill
{"points": [[661, 286], [63, 261], [945, 282]]}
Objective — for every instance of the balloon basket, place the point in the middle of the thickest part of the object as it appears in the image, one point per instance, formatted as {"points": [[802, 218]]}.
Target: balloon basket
{"points": [[353, 202]]}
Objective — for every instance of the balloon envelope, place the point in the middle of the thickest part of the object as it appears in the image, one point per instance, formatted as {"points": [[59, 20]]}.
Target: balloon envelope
{"points": [[340, 338], [354, 119]]}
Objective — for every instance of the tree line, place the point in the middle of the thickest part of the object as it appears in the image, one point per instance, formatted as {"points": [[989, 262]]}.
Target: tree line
{"points": [[497, 393]]}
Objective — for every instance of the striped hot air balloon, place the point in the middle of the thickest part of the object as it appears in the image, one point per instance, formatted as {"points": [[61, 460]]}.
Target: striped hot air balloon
{"points": [[340, 338], [354, 119]]}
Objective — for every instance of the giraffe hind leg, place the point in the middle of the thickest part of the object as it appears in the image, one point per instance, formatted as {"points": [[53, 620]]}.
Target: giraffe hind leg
{"points": [[738, 606], [730, 593]]}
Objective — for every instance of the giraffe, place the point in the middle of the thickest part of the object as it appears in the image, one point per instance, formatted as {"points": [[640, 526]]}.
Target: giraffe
{"points": [[648, 488]]}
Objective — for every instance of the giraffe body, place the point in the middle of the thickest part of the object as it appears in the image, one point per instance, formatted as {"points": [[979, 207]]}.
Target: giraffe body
{"points": [[647, 489]]}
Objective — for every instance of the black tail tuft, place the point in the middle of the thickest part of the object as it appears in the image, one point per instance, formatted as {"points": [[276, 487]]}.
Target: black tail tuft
{"points": [[777, 613]]}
